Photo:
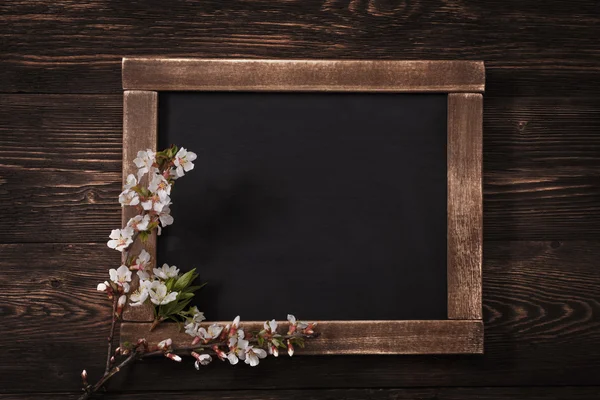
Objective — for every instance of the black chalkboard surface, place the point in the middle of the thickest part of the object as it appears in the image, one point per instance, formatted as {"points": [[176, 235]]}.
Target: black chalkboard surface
{"points": [[329, 206]]}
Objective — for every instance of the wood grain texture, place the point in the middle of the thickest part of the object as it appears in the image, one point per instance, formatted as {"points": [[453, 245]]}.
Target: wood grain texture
{"points": [[63, 47], [140, 132], [465, 205], [348, 337], [442, 393], [541, 328], [60, 168], [172, 74]]}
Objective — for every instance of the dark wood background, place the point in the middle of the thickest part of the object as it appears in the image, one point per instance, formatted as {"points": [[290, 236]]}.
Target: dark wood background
{"points": [[60, 163]]}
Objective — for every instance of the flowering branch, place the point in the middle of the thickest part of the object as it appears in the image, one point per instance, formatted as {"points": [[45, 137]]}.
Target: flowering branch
{"points": [[170, 291]]}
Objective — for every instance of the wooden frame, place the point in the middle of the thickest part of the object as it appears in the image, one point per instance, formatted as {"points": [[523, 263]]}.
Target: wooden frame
{"points": [[462, 332]]}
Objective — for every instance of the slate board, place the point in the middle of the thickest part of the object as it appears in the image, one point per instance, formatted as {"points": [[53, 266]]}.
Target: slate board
{"points": [[330, 206]]}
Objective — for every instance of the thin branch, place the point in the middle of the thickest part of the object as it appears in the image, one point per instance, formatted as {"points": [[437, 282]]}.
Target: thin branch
{"points": [[90, 390], [111, 334]]}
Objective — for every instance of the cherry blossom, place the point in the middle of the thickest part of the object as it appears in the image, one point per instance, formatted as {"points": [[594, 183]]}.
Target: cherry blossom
{"points": [[143, 291], [139, 223], [144, 161], [201, 359], [129, 198], [160, 295], [237, 348], [165, 216], [165, 272], [155, 203], [253, 354], [159, 185], [183, 161], [120, 238], [121, 276], [209, 334], [141, 262]]}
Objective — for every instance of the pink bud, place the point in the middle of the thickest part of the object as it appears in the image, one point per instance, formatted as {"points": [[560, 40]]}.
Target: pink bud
{"points": [[196, 340], [121, 304], [112, 360], [274, 351], [222, 356], [173, 357], [309, 330], [165, 344], [290, 348], [84, 376]]}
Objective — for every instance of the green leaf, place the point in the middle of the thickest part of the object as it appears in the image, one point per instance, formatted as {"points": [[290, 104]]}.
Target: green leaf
{"points": [[191, 289], [144, 236], [169, 283], [185, 296], [184, 280]]}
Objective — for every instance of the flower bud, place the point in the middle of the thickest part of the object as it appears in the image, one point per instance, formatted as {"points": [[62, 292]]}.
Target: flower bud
{"points": [[173, 357], [274, 350], [222, 356], [165, 344], [290, 348], [196, 340], [309, 330], [121, 304], [84, 376]]}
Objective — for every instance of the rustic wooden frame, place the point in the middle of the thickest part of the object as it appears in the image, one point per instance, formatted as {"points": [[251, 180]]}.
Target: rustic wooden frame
{"points": [[464, 81]]}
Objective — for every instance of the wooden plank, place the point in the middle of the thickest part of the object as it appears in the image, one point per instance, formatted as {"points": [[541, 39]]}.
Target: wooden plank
{"points": [[348, 337], [465, 205], [60, 163], [84, 53], [166, 74], [140, 132], [441, 393], [541, 310]]}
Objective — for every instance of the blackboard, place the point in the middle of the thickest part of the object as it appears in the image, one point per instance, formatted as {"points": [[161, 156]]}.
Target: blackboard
{"points": [[330, 206]]}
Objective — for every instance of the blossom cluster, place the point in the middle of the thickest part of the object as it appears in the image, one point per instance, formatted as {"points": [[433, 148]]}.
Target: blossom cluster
{"points": [[168, 289], [164, 285], [233, 343]]}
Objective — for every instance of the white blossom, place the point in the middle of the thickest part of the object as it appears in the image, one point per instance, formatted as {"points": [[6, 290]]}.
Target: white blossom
{"points": [[237, 348], [159, 185], [165, 272], [183, 161], [160, 295], [120, 238], [102, 287], [141, 262], [197, 315], [271, 326], [143, 275], [212, 332], [141, 294], [129, 198], [165, 216], [121, 277], [139, 223], [144, 162], [191, 329], [201, 359], [253, 355], [155, 203]]}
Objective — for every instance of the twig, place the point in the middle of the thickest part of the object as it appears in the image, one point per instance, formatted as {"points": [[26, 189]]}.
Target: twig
{"points": [[90, 390], [111, 335]]}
